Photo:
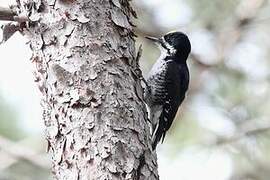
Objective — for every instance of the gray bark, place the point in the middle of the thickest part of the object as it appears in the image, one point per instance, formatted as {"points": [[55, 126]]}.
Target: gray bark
{"points": [[95, 118]]}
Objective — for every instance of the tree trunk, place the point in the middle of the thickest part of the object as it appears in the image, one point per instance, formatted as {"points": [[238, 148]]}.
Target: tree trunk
{"points": [[95, 118]]}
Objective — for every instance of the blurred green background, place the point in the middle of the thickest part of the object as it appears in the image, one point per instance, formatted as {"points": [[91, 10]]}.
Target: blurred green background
{"points": [[222, 129]]}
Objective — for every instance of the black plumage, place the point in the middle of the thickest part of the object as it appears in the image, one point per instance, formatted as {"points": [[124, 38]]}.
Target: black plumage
{"points": [[167, 83]]}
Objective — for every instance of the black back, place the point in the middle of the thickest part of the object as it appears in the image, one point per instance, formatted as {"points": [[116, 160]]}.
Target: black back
{"points": [[175, 87]]}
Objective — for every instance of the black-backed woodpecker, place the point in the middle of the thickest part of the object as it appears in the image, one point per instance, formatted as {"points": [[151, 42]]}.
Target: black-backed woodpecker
{"points": [[167, 83]]}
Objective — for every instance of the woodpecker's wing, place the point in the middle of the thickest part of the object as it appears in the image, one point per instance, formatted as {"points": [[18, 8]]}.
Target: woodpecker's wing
{"points": [[155, 94], [175, 86]]}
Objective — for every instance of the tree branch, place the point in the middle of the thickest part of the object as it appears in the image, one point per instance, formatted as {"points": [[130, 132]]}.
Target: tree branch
{"points": [[7, 14], [241, 135], [23, 153]]}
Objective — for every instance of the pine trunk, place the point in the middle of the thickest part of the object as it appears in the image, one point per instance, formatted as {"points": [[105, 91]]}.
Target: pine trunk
{"points": [[95, 118]]}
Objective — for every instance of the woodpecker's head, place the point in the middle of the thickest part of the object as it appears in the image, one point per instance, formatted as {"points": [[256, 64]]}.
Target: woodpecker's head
{"points": [[174, 44]]}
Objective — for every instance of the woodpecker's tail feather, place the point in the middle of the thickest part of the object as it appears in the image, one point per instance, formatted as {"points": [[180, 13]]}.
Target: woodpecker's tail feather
{"points": [[159, 132], [159, 135], [165, 121]]}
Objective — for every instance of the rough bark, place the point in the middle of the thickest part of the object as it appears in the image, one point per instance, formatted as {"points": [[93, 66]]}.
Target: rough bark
{"points": [[95, 118]]}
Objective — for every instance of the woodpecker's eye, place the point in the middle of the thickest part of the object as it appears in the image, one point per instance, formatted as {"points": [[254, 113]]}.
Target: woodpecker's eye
{"points": [[174, 39], [167, 38]]}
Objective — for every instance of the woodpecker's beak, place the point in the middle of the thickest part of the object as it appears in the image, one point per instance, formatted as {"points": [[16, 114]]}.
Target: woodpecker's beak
{"points": [[154, 39]]}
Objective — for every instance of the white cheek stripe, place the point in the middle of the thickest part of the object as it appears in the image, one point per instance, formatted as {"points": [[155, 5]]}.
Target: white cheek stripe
{"points": [[171, 49]]}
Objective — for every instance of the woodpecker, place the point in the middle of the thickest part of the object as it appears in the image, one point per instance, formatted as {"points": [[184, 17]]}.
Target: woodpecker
{"points": [[167, 83]]}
